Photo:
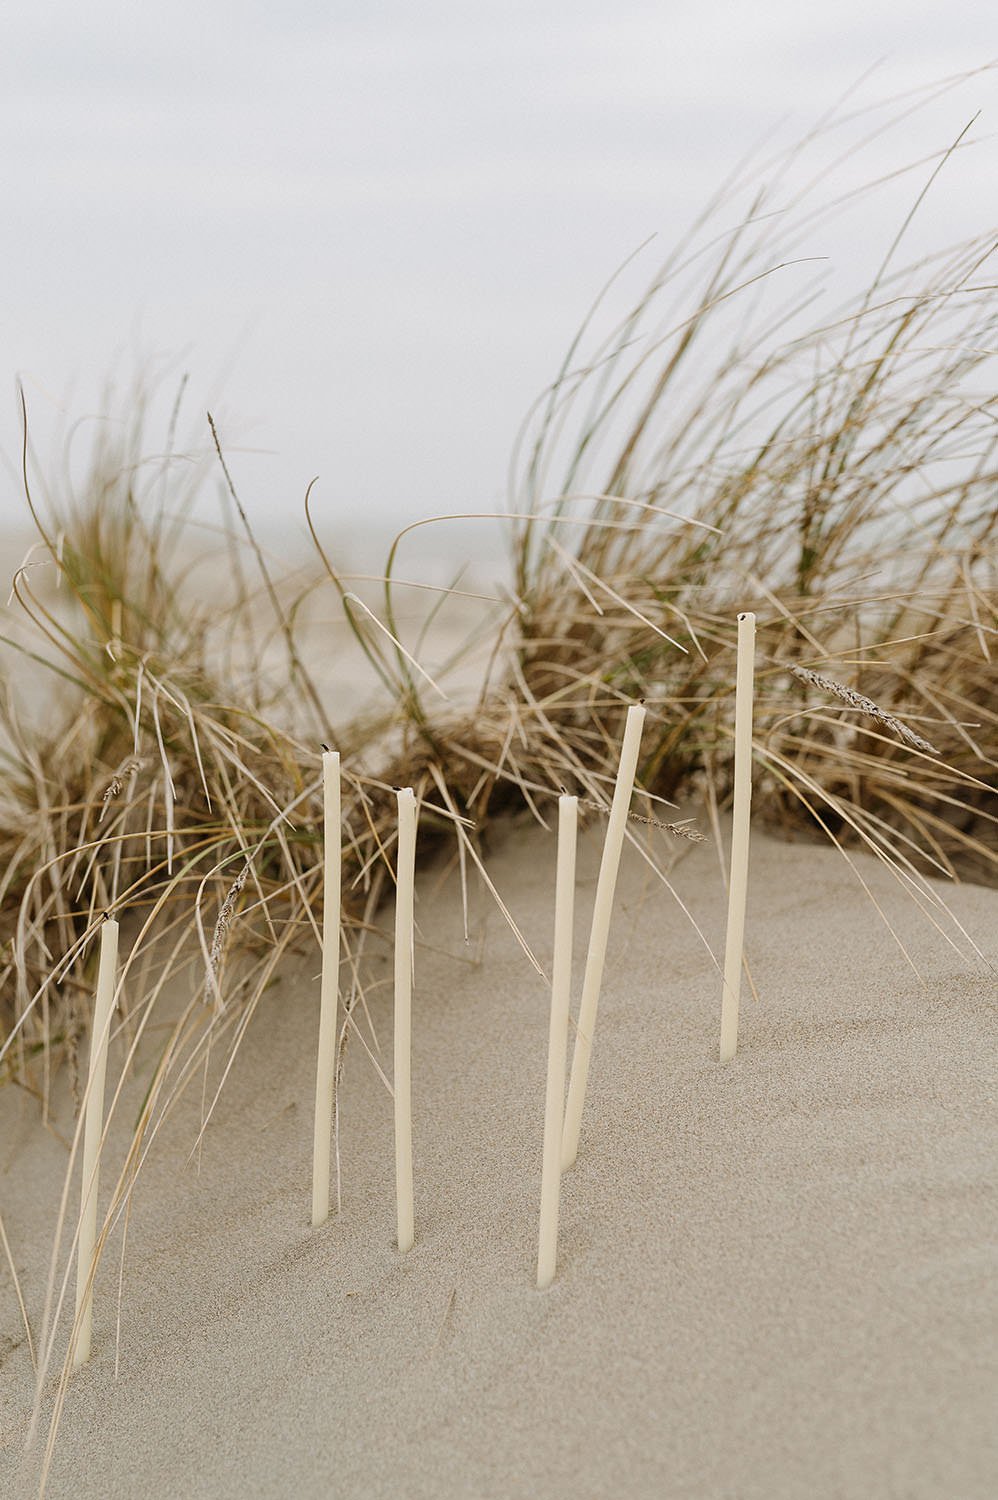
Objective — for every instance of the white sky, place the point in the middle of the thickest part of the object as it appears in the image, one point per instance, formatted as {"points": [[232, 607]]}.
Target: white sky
{"points": [[369, 231]]}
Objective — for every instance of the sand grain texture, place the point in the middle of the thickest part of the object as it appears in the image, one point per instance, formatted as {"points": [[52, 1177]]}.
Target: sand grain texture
{"points": [[776, 1278]]}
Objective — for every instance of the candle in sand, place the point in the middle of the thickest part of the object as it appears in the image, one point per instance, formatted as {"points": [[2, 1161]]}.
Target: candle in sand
{"points": [[405, 880], [329, 985], [738, 873], [561, 984], [93, 1129], [600, 932]]}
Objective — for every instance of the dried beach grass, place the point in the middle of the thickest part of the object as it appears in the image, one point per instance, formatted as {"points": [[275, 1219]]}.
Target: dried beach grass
{"points": [[838, 481]]}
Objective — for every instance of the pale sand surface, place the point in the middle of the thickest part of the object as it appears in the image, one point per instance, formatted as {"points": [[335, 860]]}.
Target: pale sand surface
{"points": [[776, 1279]]}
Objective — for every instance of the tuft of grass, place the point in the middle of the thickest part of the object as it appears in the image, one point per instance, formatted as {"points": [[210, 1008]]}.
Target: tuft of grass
{"points": [[839, 482], [704, 457]]}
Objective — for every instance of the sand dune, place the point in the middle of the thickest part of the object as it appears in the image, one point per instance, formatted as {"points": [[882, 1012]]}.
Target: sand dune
{"points": [[776, 1279]]}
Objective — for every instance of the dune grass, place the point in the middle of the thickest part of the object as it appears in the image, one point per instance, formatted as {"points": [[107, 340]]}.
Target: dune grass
{"points": [[837, 480], [840, 484]]}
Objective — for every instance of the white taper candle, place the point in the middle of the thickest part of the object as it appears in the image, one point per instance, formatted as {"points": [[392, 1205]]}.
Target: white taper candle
{"points": [[93, 1129], [738, 870], [561, 985], [325, 1073], [600, 931], [405, 881]]}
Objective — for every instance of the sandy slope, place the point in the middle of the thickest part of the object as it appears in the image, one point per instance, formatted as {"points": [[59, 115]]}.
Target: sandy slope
{"points": [[776, 1279]]}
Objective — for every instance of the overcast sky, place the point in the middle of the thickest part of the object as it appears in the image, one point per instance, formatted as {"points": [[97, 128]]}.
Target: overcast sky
{"points": [[368, 231]]}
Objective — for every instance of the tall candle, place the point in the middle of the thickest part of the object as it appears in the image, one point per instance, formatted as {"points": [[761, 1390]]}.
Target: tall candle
{"points": [[561, 984], [405, 882], [738, 874], [93, 1129], [600, 931], [325, 1075]]}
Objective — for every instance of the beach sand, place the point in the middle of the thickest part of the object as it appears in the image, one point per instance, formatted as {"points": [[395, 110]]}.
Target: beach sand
{"points": [[776, 1279]]}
